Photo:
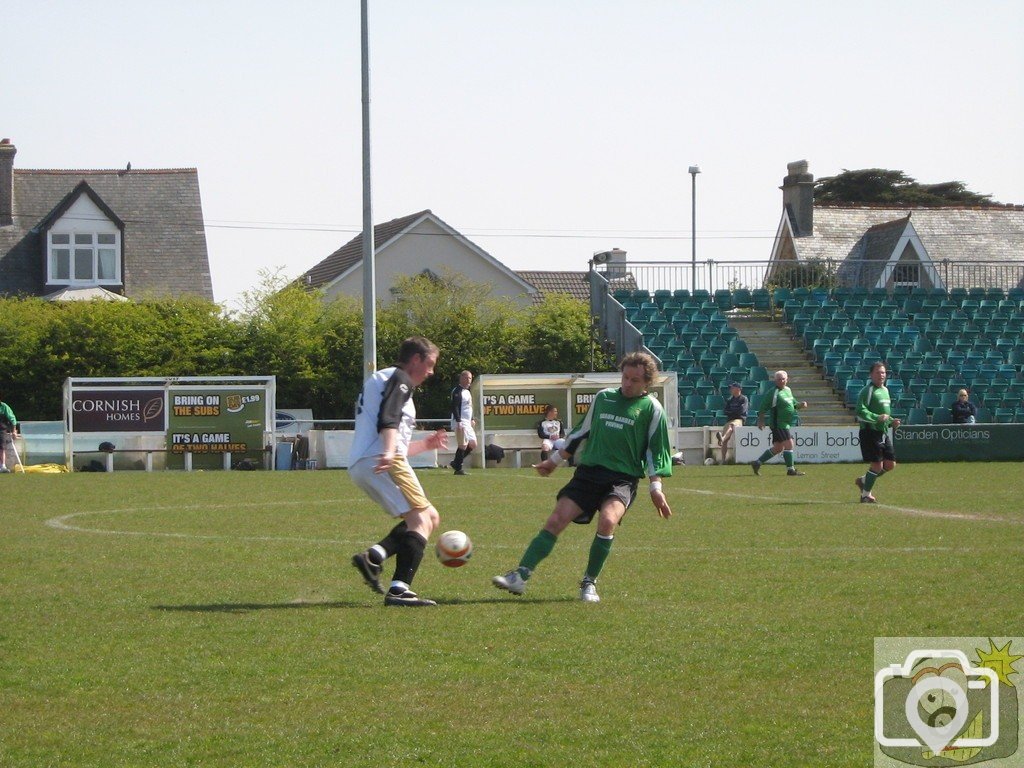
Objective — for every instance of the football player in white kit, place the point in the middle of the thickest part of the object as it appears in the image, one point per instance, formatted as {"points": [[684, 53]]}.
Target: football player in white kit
{"points": [[378, 463], [462, 421]]}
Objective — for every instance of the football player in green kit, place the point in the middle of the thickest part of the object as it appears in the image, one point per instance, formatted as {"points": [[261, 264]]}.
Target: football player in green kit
{"points": [[781, 408], [875, 417], [626, 433]]}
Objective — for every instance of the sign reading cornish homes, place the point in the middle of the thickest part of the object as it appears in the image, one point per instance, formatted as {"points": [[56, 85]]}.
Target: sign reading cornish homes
{"points": [[118, 410]]}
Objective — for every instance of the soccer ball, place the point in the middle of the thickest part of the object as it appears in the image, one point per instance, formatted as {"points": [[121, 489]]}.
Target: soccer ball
{"points": [[453, 549], [709, 462]]}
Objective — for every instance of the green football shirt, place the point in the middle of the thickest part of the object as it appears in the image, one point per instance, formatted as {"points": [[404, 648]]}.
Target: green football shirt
{"points": [[627, 435], [873, 405], [780, 407]]}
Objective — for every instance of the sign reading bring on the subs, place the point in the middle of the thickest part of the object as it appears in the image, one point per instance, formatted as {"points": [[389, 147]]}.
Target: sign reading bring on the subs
{"points": [[210, 421], [814, 445]]}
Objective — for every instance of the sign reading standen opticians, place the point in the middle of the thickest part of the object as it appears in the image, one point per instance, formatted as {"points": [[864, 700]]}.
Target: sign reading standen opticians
{"points": [[118, 410]]}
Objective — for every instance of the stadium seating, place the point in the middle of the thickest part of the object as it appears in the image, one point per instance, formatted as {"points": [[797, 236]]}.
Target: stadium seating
{"points": [[933, 341]]}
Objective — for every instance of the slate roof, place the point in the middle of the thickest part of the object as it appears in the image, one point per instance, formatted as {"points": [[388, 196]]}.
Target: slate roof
{"points": [[978, 237], [957, 234], [351, 253], [164, 244]]}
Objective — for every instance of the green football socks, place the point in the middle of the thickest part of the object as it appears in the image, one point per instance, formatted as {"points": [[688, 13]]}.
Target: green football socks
{"points": [[600, 548], [869, 480], [788, 458], [539, 548]]}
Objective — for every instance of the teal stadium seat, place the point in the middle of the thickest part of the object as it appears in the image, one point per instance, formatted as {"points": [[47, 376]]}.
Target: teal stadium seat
{"points": [[1005, 415], [738, 346], [905, 403], [917, 416], [762, 299], [743, 299], [739, 373], [693, 403], [851, 391], [705, 387], [704, 419], [714, 402]]}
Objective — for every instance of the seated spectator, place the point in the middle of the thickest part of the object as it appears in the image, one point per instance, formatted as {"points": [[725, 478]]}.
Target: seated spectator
{"points": [[550, 431], [735, 413], [963, 410]]}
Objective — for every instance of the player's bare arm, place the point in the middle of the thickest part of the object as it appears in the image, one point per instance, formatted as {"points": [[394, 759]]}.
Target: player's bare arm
{"points": [[388, 441], [437, 441]]}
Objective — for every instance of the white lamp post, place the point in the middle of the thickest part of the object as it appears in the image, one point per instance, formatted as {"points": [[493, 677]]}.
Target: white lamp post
{"points": [[694, 170]]}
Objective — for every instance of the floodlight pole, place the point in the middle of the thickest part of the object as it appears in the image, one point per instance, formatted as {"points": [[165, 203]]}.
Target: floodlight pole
{"points": [[693, 171], [369, 273]]}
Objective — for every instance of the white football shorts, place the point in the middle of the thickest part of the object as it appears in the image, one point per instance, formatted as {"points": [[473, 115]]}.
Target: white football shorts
{"points": [[464, 433], [398, 490]]}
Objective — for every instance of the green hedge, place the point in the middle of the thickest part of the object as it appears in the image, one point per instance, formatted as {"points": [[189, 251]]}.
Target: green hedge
{"points": [[315, 349]]}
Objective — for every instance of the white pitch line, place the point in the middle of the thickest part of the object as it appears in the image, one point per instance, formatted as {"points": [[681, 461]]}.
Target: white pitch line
{"points": [[61, 523], [967, 516]]}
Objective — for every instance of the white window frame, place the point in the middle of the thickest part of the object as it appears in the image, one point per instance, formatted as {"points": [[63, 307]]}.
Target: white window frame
{"points": [[92, 250]]}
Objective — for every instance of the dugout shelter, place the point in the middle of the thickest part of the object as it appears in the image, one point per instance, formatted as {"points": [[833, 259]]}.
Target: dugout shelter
{"points": [[184, 422]]}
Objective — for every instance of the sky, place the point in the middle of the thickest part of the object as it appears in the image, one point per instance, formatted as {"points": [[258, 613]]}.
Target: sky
{"points": [[543, 130]]}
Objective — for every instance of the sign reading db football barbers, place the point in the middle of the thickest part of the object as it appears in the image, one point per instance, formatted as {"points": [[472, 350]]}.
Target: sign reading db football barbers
{"points": [[118, 410]]}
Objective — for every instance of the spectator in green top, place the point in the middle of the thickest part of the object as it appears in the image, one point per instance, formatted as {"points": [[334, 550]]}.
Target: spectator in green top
{"points": [[8, 431], [780, 408], [875, 417]]}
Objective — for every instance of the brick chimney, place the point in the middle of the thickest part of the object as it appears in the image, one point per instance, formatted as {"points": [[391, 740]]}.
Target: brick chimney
{"points": [[798, 198], [7, 153]]}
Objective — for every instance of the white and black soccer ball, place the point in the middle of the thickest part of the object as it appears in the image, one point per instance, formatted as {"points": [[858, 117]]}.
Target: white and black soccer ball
{"points": [[709, 462], [453, 549]]}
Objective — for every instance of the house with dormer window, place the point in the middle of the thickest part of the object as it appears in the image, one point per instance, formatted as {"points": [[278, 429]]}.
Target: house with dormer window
{"points": [[113, 234], [890, 246]]}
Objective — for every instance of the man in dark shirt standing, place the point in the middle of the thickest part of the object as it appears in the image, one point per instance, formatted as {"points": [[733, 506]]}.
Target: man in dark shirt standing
{"points": [[736, 408]]}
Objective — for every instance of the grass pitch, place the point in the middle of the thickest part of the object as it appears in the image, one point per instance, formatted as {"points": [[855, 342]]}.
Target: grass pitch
{"points": [[213, 619]]}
